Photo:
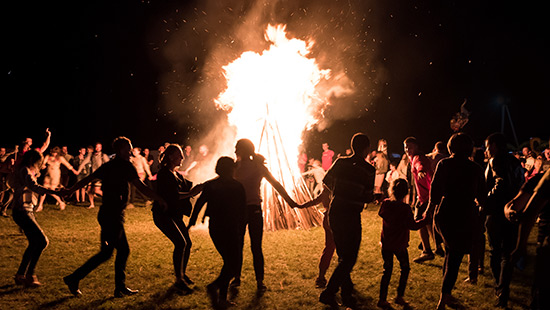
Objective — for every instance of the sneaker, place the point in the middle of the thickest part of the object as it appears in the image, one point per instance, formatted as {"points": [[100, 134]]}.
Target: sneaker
{"points": [[19, 279], [32, 281], [180, 285], [349, 301], [329, 300], [187, 280], [235, 283], [400, 301], [384, 304], [320, 282], [424, 257], [73, 285], [261, 288], [440, 252]]}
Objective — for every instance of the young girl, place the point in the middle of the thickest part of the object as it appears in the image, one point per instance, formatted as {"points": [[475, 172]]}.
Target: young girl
{"points": [[52, 180], [226, 206], [398, 220], [171, 186], [24, 183]]}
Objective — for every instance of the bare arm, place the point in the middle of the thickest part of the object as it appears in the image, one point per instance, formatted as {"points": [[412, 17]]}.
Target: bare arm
{"points": [[280, 189], [47, 142]]}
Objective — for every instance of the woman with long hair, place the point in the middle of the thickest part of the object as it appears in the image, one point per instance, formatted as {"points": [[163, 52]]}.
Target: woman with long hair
{"points": [[250, 171], [23, 182], [173, 188]]}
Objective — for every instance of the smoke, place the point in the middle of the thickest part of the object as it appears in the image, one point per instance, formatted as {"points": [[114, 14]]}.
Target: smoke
{"points": [[194, 43]]}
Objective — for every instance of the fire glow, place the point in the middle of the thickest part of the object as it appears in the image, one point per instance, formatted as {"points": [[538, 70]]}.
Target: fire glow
{"points": [[271, 99]]}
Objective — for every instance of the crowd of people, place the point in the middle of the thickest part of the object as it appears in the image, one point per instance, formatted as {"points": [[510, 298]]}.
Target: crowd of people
{"points": [[458, 197]]}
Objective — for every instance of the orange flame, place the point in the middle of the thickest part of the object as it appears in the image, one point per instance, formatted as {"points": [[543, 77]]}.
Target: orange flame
{"points": [[271, 98]]}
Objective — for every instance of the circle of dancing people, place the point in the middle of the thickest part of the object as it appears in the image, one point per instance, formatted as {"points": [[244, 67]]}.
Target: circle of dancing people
{"points": [[456, 204]]}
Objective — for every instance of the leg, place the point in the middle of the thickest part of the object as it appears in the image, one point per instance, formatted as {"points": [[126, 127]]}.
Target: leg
{"points": [[328, 251], [387, 256], [109, 236], [187, 246], [170, 229], [255, 231], [403, 258], [37, 241], [494, 235], [346, 230]]}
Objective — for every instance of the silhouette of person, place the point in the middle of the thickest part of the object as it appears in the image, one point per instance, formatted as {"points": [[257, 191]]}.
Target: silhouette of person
{"points": [[250, 171], [531, 206], [457, 191], [226, 206], [351, 182], [23, 182], [504, 177], [171, 186], [115, 176], [397, 222], [330, 247]]}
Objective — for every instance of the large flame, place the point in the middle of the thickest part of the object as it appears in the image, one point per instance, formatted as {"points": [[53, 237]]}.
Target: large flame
{"points": [[271, 98]]}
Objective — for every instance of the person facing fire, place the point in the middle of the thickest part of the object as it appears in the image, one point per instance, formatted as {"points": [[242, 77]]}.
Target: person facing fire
{"points": [[250, 171], [351, 183]]}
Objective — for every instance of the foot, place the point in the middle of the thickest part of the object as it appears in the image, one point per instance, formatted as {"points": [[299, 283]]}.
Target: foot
{"points": [[424, 257], [20, 279], [440, 252], [187, 280], [480, 270], [349, 301], [384, 304], [39, 208], [180, 285], [32, 281], [224, 304], [320, 282], [501, 303], [4, 214], [90, 206], [212, 291], [73, 285], [121, 292], [401, 301], [130, 206], [62, 206], [235, 283], [260, 287], [469, 280], [329, 300]]}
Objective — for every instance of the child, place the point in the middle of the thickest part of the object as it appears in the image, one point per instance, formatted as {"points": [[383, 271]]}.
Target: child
{"points": [[330, 247], [398, 220], [226, 208]]}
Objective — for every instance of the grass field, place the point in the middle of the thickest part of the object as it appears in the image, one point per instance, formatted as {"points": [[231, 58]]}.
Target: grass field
{"points": [[291, 268]]}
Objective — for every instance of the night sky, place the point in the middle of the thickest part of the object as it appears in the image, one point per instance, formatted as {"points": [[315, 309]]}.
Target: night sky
{"points": [[94, 70]]}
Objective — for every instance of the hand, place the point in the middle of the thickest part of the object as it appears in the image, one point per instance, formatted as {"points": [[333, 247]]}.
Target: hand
{"points": [[421, 174], [511, 214], [64, 192], [48, 133]]}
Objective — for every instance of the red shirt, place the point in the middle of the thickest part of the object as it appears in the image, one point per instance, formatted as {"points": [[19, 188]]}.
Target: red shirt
{"points": [[421, 163], [326, 159]]}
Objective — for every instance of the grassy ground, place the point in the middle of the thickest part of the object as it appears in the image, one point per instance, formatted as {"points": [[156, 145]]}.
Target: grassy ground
{"points": [[291, 268]]}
